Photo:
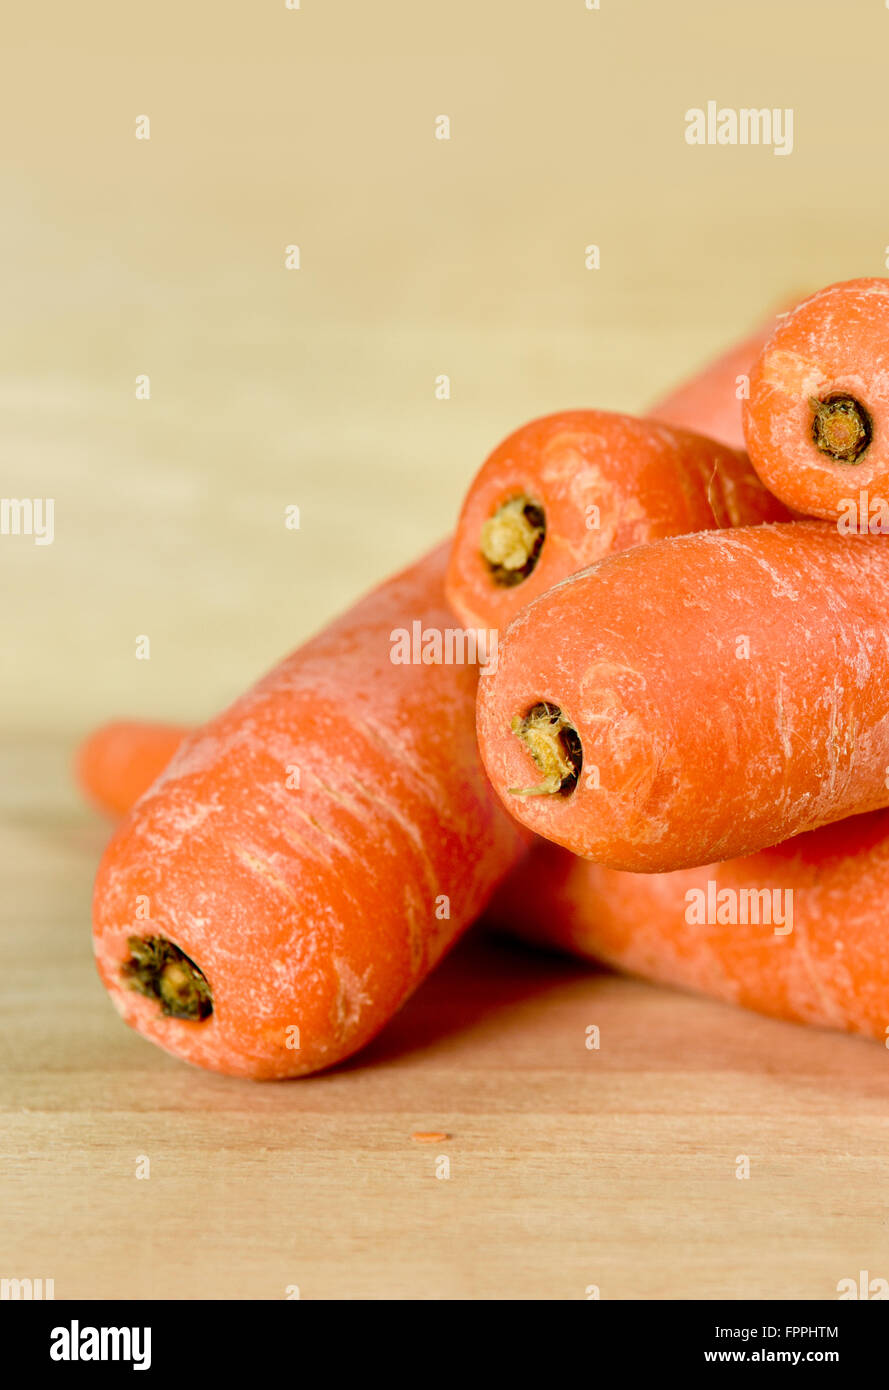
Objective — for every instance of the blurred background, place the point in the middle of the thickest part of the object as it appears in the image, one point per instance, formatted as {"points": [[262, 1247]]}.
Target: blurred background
{"points": [[272, 127]]}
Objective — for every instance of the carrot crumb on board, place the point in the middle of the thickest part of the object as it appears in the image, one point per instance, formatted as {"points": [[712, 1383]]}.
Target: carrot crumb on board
{"points": [[428, 1136]]}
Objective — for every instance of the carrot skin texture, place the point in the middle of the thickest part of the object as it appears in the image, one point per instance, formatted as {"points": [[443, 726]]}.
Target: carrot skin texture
{"points": [[730, 689], [831, 970], [117, 762], [835, 342], [605, 482], [316, 908]]}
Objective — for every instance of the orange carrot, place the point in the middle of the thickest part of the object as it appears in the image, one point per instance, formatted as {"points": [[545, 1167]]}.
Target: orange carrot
{"points": [[309, 854], [120, 760], [828, 969], [797, 931], [817, 421], [697, 698], [565, 490]]}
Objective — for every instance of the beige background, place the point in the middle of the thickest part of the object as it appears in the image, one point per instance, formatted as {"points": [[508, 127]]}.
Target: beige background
{"points": [[316, 387]]}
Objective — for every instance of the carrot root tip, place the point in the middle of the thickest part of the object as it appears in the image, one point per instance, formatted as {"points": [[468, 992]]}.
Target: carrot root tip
{"points": [[159, 970], [841, 427], [554, 745], [511, 540]]}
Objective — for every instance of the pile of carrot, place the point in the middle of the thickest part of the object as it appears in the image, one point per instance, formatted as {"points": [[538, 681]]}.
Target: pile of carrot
{"points": [[660, 738]]}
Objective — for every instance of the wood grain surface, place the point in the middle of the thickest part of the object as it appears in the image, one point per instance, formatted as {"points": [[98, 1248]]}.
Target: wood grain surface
{"points": [[569, 1167]]}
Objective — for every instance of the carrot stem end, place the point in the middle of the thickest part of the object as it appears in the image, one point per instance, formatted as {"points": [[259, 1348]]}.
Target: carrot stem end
{"points": [[555, 747], [159, 970], [841, 427], [511, 540]]}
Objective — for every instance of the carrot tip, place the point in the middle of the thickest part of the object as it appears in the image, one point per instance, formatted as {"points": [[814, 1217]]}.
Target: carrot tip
{"points": [[511, 540], [159, 970], [841, 427], [554, 744]]}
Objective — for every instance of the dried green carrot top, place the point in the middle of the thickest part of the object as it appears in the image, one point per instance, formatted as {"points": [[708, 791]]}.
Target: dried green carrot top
{"points": [[841, 427], [159, 970], [511, 540], [554, 745]]}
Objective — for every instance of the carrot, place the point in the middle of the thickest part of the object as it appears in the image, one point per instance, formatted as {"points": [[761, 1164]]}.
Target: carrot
{"points": [[120, 760], [796, 931], [710, 402], [829, 969], [697, 698], [309, 854], [565, 490], [817, 421]]}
